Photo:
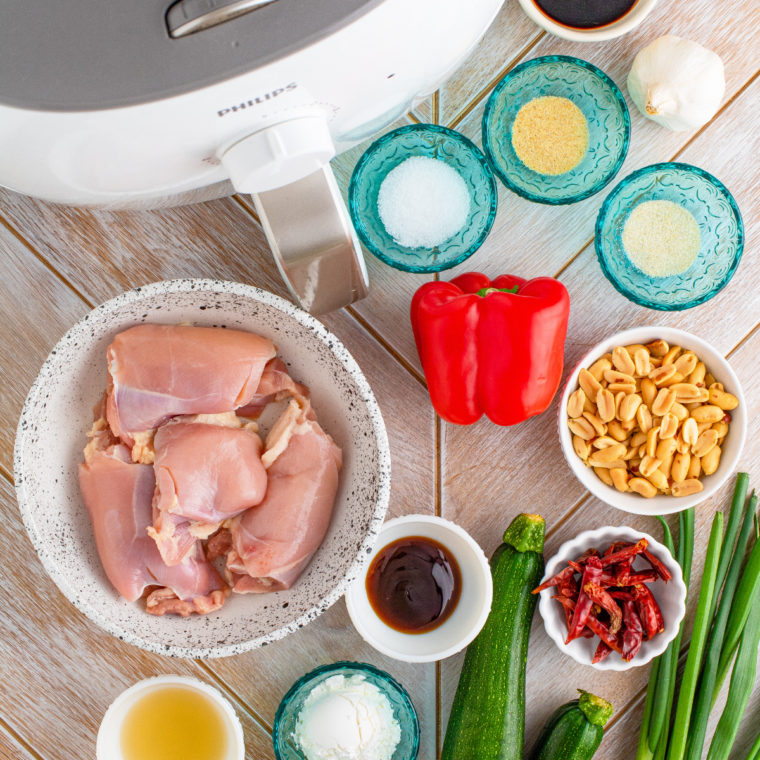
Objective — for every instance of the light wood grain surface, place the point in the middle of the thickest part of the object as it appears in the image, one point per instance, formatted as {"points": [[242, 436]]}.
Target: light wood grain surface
{"points": [[61, 671]]}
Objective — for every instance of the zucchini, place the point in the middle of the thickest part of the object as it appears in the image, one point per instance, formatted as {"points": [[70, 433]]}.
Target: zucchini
{"points": [[574, 731], [487, 719]]}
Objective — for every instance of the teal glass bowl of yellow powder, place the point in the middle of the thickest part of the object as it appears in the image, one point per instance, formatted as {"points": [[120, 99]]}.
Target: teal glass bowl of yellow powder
{"points": [[669, 237], [556, 130]]}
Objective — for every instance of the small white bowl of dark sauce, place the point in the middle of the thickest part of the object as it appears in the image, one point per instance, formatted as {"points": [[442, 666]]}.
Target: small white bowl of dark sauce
{"points": [[399, 624], [583, 21]]}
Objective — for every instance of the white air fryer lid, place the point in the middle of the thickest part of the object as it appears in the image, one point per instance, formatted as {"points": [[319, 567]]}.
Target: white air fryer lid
{"points": [[79, 55]]}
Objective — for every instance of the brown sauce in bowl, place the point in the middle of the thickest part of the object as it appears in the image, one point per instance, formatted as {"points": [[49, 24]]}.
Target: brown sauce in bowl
{"points": [[414, 584], [585, 14]]}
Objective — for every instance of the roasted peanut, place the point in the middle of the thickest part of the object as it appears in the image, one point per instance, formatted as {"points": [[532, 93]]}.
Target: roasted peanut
{"points": [[705, 443], [690, 431], [663, 373], [681, 446], [697, 377], [686, 363], [672, 355], [686, 392], [588, 383], [622, 361], [605, 403], [691, 407], [658, 348], [721, 428], [639, 439], [669, 426], [687, 487], [644, 418], [581, 447], [642, 487], [723, 400], [598, 367], [709, 380], [604, 476], [613, 376], [588, 405], [708, 413], [620, 478], [632, 453], [677, 378], [680, 467], [599, 427], [629, 406], [575, 404], [665, 448], [657, 479], [695, 467], [716, 386], [655, 361], [618, 401], [711, 460], [615, 430], [680, 411], [607, 465], [665, 466], [648, 465], [641, 362], [653, 436], [604, 442], [609, 454], [628, 425], [634, 347], [663, 402], [583, 429], [624, 387], [648, 391]]}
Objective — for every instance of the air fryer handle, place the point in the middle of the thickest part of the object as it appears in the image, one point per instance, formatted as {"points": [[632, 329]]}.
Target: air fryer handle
{"points": [[314, 243]]}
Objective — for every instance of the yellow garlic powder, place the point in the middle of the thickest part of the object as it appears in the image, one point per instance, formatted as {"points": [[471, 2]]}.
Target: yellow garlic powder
{"points": [[661, 238], [550, 135]]}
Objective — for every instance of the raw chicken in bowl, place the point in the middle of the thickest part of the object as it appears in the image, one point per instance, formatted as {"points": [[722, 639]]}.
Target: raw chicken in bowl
{"points": [[328, 441]]}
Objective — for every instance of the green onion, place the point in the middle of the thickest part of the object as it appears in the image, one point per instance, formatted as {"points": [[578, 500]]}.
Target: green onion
{"points": [[742, 682], [697, 645], [749, 585], [754, 753], [698, 727], [643, 752]]}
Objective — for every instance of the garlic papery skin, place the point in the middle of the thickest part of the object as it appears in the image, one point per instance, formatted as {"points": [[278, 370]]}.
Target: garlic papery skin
{"points": [[677, 83]]}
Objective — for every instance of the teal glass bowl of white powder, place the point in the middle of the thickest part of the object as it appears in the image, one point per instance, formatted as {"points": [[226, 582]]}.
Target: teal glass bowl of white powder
{"points": [[346, 711], [423, 198]]}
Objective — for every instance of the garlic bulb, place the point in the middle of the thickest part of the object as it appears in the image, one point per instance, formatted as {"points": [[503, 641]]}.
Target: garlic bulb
{"points": [[677, 83]]}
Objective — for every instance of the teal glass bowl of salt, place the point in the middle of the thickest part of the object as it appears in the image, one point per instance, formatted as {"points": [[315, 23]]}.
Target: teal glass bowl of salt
{"points": [[720, 226], [600, 101], [430, 141]]}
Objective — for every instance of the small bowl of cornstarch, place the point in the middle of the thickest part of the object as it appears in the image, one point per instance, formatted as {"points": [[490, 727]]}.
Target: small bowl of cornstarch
{"points": [[422, 198], [669, 237], [556, 130]]}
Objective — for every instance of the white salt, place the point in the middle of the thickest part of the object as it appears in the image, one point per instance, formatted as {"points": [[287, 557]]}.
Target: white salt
{"points": [[423, 202]]}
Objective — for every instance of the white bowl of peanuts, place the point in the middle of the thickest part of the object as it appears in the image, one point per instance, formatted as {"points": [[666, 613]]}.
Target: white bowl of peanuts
{"points": [[663, 426]]}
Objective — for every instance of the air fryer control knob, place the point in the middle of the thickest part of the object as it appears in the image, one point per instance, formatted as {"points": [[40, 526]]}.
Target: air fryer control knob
{"points": [[279, 155]]}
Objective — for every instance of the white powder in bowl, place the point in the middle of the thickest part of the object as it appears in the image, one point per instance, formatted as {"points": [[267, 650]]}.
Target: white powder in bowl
{"points": [[423, 202], [661, 238]]}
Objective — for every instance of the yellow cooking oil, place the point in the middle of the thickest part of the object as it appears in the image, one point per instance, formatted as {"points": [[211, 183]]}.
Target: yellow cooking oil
{"points": [[174, 723]]}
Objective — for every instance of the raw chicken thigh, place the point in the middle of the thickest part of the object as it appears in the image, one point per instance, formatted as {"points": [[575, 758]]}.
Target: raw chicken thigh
{"points": [[208, 469], [159, 371], [275, 385], [118, 495], [273, 543]]}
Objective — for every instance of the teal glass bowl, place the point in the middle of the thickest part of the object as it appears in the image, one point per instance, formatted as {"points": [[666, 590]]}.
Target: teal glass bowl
{"points": [[285, 745], [601, 102], [720, 224], [386, 154]]}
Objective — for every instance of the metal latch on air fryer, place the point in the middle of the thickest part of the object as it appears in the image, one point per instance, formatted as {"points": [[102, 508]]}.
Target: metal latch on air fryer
{"points": [[257, 101]]}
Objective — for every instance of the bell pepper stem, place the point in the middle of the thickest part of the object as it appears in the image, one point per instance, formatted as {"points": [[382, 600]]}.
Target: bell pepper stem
{"points": [[597, 710], [483, 292]]}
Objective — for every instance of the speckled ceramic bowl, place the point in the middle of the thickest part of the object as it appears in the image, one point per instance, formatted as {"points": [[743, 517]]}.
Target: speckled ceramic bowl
{"points": [[58, 413]]}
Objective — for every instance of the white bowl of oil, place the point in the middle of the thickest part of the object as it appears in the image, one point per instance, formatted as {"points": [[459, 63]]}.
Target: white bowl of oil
{"points": [[167, 717]]}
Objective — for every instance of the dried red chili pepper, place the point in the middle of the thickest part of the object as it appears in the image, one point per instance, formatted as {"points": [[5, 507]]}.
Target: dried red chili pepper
{"points": [[661, 570], [649, 611], [623, 595], [569, 588], [616, 547], [591, 573], [599, 596], [633, 634], [568, 572], [604, 633], [645, 576], [569, 606], [602, 651], [623, 573], [629, 552]]}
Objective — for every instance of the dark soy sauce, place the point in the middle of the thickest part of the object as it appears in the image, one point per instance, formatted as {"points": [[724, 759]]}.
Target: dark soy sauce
{"points": [[414, 584], [585, 14]]}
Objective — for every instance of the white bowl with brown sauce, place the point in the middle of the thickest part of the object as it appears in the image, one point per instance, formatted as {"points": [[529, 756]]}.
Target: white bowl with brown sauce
{"points": [[58, 413], [731, 446]]}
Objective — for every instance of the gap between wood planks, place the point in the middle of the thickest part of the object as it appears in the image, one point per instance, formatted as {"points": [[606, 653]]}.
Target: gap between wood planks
{"points": [[13, 734]]}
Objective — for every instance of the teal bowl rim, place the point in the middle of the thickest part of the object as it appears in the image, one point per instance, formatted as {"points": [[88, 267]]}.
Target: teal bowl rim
{"points": [[601, 216], [312, 674], [486, 134], [389, 137]]}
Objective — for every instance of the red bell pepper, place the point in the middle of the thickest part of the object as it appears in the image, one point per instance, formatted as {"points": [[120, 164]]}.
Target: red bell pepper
{"points": [[491, 347]]}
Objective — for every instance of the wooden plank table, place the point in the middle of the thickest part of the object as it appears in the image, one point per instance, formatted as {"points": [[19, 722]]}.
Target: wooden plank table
{"points": [[61, 671]]}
